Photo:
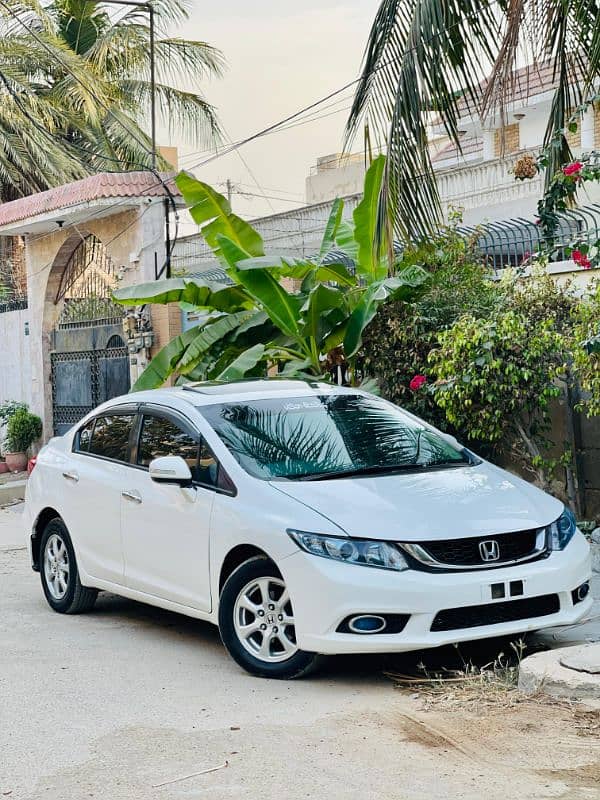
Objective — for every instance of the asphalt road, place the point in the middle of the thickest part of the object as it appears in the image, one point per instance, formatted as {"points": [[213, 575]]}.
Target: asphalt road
{"points": [[128, 702]]}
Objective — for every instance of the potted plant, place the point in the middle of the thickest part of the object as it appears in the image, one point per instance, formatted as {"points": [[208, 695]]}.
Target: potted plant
{"points": [[3, 466], [22, 430]]}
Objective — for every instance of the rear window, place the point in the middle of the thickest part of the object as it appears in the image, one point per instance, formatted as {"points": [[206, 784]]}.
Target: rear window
{"points": [[84, 437], [110, 437]]}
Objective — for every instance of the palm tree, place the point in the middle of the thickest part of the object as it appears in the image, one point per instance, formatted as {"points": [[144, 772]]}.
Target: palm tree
{"points": [[426, 57], [76, 83]]}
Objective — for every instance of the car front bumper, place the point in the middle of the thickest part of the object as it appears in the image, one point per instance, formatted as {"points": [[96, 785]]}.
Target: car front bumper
{"points": [[325, 592]]}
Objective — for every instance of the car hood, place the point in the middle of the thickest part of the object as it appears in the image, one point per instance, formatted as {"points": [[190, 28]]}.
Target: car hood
{"points": [[438, 504]]}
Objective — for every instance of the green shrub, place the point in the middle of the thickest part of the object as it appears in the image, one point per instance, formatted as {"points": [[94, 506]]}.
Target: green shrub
{"points": [[22, 430], [396, 345]]}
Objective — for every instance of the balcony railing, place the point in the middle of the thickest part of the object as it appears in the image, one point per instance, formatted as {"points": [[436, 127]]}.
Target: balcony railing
{"points": [[485, 183]]}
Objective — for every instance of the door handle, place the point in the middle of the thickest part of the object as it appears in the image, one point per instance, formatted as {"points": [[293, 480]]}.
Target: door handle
{"points": [[136, 497], [71, 476]]}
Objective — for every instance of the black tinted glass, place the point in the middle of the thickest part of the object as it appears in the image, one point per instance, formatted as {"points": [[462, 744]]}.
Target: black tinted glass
{"points": [[327, 434], [161, 437], [84, 437], [111, 436]]}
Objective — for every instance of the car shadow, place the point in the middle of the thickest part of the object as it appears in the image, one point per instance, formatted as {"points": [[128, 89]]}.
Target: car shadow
{"points": [[194, 632]]}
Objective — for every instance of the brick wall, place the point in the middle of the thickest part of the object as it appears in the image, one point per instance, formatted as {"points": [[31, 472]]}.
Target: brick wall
{"points": [[597, 125], [511, 140]]}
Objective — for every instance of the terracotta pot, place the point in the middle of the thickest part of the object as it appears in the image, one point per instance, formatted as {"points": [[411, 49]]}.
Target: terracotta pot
{"points": [[16, 462], [3, 467]]}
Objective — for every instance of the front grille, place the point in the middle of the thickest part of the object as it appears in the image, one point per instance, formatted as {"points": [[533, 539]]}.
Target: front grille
{"points": [[466, 552], [452, 619]]}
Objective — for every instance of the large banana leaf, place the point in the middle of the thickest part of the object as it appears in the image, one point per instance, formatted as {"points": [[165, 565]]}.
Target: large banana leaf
{"points": [[281, 306], [209, 335], [212, 212], [298, 269], [208, 294], [240, 366], [372, 298], [369, 262], [165, 362], [321, 300], [345, 239], [331, 229]]}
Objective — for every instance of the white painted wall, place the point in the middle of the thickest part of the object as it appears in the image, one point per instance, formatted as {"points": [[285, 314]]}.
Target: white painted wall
{"points": [[15, 357]]}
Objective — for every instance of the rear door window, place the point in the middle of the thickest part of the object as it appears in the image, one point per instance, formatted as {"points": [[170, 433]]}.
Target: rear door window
{"points": [[110, 437]]}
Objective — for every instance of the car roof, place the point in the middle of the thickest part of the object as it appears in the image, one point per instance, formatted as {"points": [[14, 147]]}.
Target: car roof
{"points": [[211, 392]]}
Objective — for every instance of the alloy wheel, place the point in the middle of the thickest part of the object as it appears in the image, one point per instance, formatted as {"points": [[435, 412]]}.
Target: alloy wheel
{"points": [[56, 566], [264, 620]]}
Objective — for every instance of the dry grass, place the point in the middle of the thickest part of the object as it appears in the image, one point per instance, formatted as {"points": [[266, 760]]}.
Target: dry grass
{"points": [[475, 688]]}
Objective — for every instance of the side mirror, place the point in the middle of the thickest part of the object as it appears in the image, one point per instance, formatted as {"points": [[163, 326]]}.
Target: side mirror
{"points": [[170, 469]]}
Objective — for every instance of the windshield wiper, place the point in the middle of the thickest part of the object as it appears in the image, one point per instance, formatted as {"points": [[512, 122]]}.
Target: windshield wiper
{"points": [[375, 470], [353, 473]]}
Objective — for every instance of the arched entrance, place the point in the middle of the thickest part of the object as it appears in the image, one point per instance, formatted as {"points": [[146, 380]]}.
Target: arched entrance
{"points": [[89, 359]]}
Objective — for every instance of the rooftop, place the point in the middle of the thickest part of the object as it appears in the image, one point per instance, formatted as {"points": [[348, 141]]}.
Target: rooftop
{"points": [[41, 209]]}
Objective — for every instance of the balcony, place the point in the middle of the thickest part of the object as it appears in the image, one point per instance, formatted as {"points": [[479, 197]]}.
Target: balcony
{"points": [[485, 185]]}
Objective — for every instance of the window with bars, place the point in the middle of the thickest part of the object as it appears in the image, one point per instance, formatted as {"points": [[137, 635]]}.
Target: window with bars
{"points": [[13, 274]]}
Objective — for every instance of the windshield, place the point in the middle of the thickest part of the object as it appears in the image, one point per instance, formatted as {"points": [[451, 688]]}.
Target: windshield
{"points": [[335, 435]]}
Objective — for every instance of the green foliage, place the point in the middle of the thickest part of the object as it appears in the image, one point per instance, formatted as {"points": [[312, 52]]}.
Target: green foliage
{"points": [[496, 376], [76, 90], [559, 196], [586, 351], [427, 59], [8, 408], [398, 341], [279, 312], [22, 430]]}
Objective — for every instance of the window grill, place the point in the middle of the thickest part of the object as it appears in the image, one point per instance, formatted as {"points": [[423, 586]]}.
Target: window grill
{"points": [[86, 288], [13, 274]]}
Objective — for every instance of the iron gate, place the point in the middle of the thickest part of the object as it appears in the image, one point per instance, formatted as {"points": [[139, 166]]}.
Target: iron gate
{"points": [[83, 379], [89, 360]]}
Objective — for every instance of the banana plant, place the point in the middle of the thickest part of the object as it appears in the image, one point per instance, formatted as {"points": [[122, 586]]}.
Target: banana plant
{"points": [[259, 321]]}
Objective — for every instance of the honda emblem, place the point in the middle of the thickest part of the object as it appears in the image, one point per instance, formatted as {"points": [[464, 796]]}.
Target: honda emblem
{"points": [[489, 550]]}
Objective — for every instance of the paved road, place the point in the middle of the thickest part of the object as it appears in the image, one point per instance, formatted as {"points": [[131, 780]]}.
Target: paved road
{"points": [[112, 704]]}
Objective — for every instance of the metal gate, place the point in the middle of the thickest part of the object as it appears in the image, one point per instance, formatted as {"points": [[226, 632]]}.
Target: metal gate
{"points": [[89, 359], [83, 379]]}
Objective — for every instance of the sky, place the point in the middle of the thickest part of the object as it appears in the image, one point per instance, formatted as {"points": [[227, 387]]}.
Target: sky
{"points": [[281, 56]]}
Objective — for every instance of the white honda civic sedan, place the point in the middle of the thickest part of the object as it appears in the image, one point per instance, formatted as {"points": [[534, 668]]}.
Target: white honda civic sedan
{"points": [[302, 519]]}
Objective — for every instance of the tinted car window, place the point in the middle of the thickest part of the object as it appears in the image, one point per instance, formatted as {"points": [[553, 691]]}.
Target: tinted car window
{"points": [[84, 435], [110, 437], [162, 437]]}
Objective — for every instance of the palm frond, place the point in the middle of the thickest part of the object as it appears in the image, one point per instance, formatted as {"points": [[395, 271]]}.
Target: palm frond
{"points": [[423, 57]]}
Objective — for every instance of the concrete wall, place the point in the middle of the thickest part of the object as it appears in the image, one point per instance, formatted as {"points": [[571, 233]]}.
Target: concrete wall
{"points": [[15, 357]]}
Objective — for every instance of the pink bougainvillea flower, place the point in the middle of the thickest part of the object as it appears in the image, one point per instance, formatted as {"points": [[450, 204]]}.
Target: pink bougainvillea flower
{"points": [[417, 382], [580, 259], [573, 169]]}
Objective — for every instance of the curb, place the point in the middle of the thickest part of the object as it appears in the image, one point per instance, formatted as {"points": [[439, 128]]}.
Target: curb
{"points": [[544, 672], [15, 490]]}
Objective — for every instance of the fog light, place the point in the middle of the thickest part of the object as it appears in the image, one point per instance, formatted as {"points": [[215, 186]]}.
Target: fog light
{"points": [[580, 593], [366, 623]]}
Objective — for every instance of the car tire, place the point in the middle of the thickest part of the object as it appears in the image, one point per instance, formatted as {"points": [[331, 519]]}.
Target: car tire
{"points": [[256, 588], [60, 576]]}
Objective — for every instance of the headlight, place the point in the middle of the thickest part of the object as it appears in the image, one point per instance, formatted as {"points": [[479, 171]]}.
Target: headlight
{"points": [[354, 551], [560, 533]]}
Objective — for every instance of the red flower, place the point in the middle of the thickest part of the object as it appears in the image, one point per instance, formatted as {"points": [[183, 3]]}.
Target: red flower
{"points": [[573, 169], [580, 259], [417, 382]]}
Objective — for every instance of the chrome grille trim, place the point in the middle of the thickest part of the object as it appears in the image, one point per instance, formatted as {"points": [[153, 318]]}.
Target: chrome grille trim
{"points": [[422, 556]]}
